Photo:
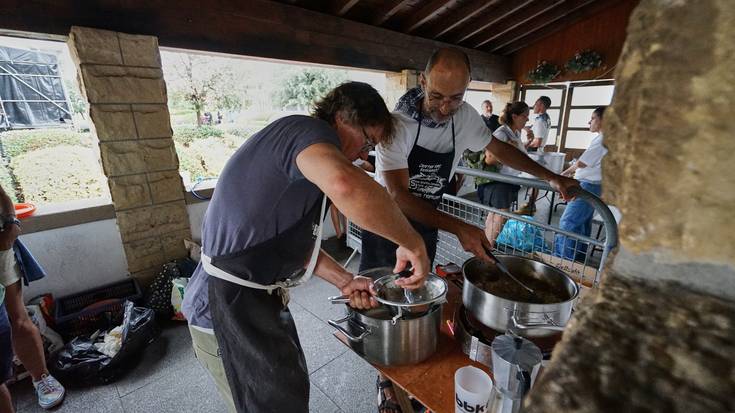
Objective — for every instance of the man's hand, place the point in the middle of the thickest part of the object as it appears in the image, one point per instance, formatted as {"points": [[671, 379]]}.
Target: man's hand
{"points": [[361, 291], [565, 185], [8, 236], [474, 240], [419, 260]]}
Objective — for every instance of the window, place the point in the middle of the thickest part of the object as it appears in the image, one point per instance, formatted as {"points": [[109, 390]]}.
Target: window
{"points": [[570, 119], [48, 153], [217, 102]]}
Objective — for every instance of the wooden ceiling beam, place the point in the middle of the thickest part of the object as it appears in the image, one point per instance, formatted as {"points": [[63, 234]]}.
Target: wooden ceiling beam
{"points": [[388, 11], [424, 14], [518, 39], [489, 18], [342, 7], [458, 17], [260, 28], [519, 20]]}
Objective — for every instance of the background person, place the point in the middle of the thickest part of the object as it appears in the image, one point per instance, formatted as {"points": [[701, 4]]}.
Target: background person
{"points": [[577, 216]]}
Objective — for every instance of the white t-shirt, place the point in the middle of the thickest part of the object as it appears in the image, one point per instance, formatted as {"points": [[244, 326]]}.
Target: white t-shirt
{"points": [[506, 134], [469, 129], [592, 157], [540, 128]]}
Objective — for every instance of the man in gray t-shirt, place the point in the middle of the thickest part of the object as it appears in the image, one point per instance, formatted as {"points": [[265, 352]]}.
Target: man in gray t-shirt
{"points": [[258, 239]]}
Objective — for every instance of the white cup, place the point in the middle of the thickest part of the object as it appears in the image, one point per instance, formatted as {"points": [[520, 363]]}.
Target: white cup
{"points": [[472, 389]]}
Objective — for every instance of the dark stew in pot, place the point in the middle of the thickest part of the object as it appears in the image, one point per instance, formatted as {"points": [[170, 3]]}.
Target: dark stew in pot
{"points": [[504, 287]]}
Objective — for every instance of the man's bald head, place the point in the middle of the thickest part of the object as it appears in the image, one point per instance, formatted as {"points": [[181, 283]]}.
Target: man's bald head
{"points": [[448, 59]]}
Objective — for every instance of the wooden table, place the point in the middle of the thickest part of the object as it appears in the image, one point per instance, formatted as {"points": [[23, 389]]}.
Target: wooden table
{"points": [[432, 381]]}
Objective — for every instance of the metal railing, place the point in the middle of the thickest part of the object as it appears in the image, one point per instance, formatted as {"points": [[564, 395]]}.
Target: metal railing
{"points": [[521, 235]]}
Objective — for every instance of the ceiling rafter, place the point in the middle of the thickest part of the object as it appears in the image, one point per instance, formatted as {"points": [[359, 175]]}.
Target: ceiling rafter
{"points": [[575, 9], [424, 14], [489, 18], [388, 11], [458, 17], [529, 14], [342, 7]]}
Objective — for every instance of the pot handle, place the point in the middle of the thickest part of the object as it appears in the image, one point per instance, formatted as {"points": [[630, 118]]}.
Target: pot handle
{"points": [[339, 299], [336, 324], [548, 325]]}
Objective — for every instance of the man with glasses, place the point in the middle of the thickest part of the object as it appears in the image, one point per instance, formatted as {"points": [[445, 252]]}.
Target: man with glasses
{"points": [[261, 235], [434, 127]]}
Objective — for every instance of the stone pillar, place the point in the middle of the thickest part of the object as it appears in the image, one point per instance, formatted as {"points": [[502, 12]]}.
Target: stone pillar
{"points": [[502, 94], [122, 80], [397, 84], [670, 167]]}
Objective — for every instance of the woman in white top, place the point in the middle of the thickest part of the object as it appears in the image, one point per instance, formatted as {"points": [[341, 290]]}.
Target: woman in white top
{"points": [[501, 195], [577, 216]]}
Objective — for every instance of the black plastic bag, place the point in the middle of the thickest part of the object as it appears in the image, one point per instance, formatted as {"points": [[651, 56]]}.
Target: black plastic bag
{"points": [[158, 296], [80, 361]]}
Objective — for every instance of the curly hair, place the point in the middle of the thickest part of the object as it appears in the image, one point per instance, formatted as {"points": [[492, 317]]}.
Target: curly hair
{"points": [[512, 108], [359, 105]]}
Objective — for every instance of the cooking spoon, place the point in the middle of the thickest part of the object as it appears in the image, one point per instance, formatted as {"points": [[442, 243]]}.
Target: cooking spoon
{"points": [[505, 271]]}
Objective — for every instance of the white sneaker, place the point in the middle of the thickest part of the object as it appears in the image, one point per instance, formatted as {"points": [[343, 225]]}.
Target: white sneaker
{"points": [[49, 391]]}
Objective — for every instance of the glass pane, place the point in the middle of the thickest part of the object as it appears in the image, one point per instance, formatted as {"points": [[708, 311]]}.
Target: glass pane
{"points": [[579, 118], [554, 94], [554, 115], [552, 136], [579, 139], [592, 95]]}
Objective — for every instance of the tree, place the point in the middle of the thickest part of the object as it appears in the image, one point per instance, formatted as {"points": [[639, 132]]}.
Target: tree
{"points": [[206, 84], [301, 87], [78, 103]]}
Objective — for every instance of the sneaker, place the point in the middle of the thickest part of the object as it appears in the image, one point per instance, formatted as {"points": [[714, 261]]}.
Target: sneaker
{"points": [[49, 391]]}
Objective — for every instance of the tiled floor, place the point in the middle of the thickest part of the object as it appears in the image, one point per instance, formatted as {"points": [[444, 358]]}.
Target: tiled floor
{"points": [[169, 378]]}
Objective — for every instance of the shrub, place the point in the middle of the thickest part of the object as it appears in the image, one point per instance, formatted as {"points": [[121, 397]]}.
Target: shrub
{"points": [[7, 183], [47, 177], [19, 142], [186, 134]]}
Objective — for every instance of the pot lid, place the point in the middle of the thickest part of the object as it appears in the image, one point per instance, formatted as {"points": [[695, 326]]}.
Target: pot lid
{"points": [[388, 293], [517, 351]]}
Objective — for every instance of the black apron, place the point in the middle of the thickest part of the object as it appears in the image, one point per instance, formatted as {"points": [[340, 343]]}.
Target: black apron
{"points": [[260, 348], [428, 179]]}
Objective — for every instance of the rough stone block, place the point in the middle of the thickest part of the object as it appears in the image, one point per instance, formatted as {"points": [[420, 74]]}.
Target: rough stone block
{"points": [[152, 121], [145, 277], [113, 122], [166, 186], [159, 154], [130, 191], [94, 46], [139, 50], [122, 158], [140, 223], [144, 253], [173, 244], [118, 84]]}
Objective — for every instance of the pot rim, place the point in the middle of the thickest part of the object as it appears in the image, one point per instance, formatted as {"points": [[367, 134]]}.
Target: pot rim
{"points": [[541, 308]]}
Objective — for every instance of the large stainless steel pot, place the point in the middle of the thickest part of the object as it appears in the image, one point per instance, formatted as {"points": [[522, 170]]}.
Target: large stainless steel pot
{"points": [[381, 340], [526, 319]]}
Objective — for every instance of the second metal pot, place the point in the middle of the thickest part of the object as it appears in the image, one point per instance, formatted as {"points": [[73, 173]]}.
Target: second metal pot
{"points": [[374, 335], [526, 319]]}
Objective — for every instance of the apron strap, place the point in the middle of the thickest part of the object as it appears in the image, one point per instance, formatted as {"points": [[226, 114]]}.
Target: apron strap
{"points": [[224, 275]]}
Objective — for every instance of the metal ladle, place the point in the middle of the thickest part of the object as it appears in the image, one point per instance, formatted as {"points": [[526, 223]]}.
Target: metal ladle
{"points": [[506, 272]]}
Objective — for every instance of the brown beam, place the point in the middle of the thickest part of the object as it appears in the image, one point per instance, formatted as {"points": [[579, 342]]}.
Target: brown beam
{"points": [[342, 7], [424, 14], [458, 17], [518, 40], [489, 18], [260, 28], [388, 11], [520, 19]]}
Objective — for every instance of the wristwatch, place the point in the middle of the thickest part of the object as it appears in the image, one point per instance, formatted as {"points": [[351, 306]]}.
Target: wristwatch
{"points": [[7, 220]]}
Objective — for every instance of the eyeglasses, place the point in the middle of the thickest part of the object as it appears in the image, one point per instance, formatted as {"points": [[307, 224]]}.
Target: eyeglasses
{"points": [[369, 145]]}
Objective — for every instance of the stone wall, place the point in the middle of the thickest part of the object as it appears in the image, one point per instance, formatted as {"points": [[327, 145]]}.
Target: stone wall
{"points": [[671, 142], [397, 84], [121, 77]]}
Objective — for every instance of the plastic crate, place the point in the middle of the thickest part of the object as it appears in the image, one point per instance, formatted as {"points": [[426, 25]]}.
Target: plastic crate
{"points": [[74, 317]]}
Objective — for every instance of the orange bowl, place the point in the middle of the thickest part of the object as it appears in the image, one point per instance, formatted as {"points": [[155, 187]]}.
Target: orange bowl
{"points": [[24, 210]]}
